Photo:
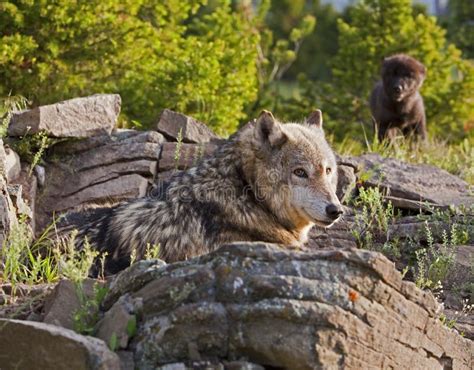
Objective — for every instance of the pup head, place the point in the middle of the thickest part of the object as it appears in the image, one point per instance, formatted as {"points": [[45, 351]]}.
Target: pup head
{"points": [[295, 170], [402, 76]]}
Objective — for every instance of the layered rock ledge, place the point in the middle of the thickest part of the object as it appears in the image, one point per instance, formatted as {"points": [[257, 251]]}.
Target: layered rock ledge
{"points": [[254, 301]]}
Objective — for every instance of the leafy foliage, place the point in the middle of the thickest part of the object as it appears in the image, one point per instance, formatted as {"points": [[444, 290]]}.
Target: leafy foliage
{"points": [[383, 27], [378, 28], [156, 54], [319, 46], [460, 24], [275, 57]]}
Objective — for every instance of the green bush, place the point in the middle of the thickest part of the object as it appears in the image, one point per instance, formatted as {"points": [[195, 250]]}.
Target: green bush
{"points": [[174, 54], [383, 27]]}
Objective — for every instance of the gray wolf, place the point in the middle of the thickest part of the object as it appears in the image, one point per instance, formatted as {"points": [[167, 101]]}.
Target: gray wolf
{"points": [[395, 102], [269, 182]]}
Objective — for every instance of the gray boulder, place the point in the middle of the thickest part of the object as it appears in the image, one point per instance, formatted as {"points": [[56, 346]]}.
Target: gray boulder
{"points": [[327, 309]]}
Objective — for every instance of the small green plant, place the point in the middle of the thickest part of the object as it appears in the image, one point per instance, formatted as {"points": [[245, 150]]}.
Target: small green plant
{"points": [[8, 105], [373, 218], [133, 256], [113, 342], [434, 263], [32, 147], [198, 153], [44, 144], [453, 320], [25, 261], [74, 264], [87, 315], [152, 251], [447, 322]]}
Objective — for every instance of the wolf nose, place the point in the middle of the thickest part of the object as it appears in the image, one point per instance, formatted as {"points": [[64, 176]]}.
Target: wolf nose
{"points": [[334, 211], [398, 89]]}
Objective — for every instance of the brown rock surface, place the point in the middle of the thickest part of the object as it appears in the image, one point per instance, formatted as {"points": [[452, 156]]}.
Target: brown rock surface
{"points": [[80, 117], [192, 131], [329, 309], [34, 345]]}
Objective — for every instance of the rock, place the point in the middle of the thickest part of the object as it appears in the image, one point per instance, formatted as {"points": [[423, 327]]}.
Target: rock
{"points": [[98, 170], [126, 360], [338, 236], [458, 284], [40, 173], [274, 307], [132, 278], [65, 301], [23, 301], [118, 137], [192, 131], [27, 186], [346, 181], [462, 322], [7, 212], [110, 192], [181, 156], [119, 322], [34, 345], [410, 184], [12, 165], [242, 365], [16, 194], [175, 366], [3, 159], [80, 117]]}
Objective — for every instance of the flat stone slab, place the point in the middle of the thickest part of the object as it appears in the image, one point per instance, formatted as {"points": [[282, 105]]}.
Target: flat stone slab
{"points": [[412, 186], [34, 345], [173, 125], [80, 117]]}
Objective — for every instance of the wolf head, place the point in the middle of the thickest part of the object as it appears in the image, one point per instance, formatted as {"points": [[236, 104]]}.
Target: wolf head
{"points": [[402, 76], [294, 170]]}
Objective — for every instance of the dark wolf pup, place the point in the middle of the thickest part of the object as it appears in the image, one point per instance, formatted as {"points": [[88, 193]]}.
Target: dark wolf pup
{"points": [[269, 182], [396, 105]]}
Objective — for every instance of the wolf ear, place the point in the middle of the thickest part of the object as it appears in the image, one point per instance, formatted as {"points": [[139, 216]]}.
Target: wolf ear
{"points": [[269, 131], [315, 119]]}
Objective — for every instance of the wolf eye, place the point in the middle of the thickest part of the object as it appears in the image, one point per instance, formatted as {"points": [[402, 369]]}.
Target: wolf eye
{"points": [[328, 171], [300, 173]]}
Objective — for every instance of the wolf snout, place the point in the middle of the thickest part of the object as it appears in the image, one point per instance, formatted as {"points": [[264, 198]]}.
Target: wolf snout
{"points": [[334, 211]]}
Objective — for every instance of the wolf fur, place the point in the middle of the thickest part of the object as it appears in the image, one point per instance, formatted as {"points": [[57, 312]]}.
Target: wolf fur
{"points": [[395, 102], [269, 182]]}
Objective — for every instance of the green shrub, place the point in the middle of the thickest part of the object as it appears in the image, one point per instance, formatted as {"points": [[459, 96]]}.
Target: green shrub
{"points": [[174, 54], [378, 28]]}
